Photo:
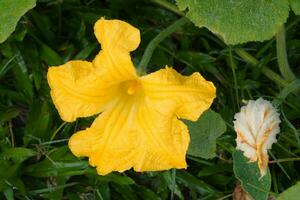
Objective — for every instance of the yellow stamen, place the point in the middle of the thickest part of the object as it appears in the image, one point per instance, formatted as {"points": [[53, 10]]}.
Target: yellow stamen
{"points": [[133, 87]]}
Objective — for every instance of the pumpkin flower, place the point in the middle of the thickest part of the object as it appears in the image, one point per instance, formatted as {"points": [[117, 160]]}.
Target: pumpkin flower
{"points": [[138, 126], [257, 126]]}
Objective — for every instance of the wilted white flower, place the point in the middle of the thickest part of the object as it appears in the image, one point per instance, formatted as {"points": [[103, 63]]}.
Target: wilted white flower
{"points": [[257, 126]]}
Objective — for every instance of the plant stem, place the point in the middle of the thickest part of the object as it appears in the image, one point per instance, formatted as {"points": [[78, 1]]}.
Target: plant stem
{"points": [[290, 88], [233, 67], [284, 160], [159, 38], [291, 126], [282, 59], [173, 184], [57, 130], [265, 70], [225, 197], [12, 137], [169, 6]]}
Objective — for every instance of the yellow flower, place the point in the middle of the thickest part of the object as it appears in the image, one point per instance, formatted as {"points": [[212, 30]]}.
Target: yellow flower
{"points": [[138, 126], [257, 126]]}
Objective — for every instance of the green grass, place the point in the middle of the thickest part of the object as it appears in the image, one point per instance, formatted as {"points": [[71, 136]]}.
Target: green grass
{"points": [[35, 161]]}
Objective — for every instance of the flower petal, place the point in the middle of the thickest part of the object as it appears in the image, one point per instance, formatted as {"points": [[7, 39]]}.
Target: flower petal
{"points": [[117, 39], [108, 142], [164, 139], [190, 95], [132, 134], [77, 91], [117, 35], [257, 126], [81, 89]]}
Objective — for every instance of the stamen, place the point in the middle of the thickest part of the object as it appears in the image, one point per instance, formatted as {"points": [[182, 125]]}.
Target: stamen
{"points": [[133, 87]]}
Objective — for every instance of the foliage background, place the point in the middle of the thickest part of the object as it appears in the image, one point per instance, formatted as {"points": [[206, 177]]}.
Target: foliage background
{"points": [[35, 162]]}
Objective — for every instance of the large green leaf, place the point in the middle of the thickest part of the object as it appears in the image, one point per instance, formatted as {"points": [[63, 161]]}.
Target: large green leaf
{"points": [[295, 5], [291, 193], [249, 175], [238, 21], [10, 13], [204, 133]]}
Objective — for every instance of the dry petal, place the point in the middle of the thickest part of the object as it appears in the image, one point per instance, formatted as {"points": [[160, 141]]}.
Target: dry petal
{"points": [[257, 126], [240, 194]]}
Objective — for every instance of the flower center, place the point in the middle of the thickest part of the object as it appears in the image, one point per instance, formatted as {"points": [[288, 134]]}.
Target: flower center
{"points": [[132, 86]]}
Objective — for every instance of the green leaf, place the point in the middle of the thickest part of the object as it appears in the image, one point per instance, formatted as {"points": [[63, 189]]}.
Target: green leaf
{"points": [[8, 172], [49, 55], [167, 177], [249, 175], [10, 13], [9, 193], [18, 154], [125, 191], [38, 121], [61, 163], [204, 133], [291, 193], [86, 52], [215, 169], [44, 26], [8, 114], [192, 182], [284, 93], [47, 168], [45, 191], [146, 194], [114, 177], [59, 168], [58, 192], [34, 62], [104, 192], [295, 5], [238, 21], [23, 84]]}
